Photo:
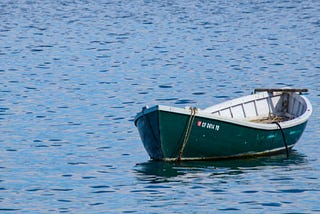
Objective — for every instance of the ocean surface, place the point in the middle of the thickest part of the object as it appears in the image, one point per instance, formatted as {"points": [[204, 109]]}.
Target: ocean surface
{"points": [[74, 73]]}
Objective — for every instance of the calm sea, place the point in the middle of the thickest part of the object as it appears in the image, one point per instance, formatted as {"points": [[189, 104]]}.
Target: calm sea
{"points": [[74, 73]]}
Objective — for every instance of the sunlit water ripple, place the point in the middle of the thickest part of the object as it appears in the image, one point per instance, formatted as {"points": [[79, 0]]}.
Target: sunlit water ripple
{"points": [[73, 74]]}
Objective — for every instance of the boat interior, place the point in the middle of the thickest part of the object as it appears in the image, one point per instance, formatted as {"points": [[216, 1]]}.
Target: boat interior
{"points": [[262, 107]]}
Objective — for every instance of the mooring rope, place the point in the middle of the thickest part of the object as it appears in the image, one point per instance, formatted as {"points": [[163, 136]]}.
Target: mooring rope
{"points": [[284, 138], [187, 134]]}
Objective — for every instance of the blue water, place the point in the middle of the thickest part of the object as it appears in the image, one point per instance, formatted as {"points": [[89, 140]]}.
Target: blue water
{"points": [[73, 74]]}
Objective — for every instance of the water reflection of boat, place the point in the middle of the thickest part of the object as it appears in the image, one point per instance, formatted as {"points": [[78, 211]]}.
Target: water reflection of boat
{"points": [[266, 122], [160, 170]]}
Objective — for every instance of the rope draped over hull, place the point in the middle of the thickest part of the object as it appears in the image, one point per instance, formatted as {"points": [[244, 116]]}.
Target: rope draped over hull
{"points": [[283, 137], [188, 131]]}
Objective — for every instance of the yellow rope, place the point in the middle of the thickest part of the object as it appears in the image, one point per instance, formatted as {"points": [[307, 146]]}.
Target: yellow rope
{"points": [[187, 135]]}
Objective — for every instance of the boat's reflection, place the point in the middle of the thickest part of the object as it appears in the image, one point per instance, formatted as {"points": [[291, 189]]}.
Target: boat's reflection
{"points": [[159, 171]]}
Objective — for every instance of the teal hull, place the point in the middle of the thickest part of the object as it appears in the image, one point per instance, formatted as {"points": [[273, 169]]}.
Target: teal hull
{"points": [[163, 134]]}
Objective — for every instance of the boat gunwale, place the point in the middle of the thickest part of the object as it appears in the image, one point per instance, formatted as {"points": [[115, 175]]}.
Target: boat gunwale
{"points": [[205, 114]]}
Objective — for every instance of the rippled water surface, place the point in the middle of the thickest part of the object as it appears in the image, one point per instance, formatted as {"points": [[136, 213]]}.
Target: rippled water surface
{"points": [[73, 74]]}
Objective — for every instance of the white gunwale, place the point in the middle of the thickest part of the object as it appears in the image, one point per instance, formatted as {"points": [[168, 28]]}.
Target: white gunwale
{"points": [[241, 116]]}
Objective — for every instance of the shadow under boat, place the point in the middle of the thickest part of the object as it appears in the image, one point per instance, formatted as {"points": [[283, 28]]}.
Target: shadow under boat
{"points": [[157, 171]]}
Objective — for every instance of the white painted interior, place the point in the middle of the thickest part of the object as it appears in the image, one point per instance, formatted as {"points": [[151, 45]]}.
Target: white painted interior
{"points": [[261, 105]]}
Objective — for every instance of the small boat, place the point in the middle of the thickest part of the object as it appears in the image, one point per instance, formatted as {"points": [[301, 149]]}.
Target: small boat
{"points": [[268, 121]]}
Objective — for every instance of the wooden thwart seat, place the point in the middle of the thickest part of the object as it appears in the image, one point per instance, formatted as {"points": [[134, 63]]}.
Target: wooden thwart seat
{"points": [[270, 90]]}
